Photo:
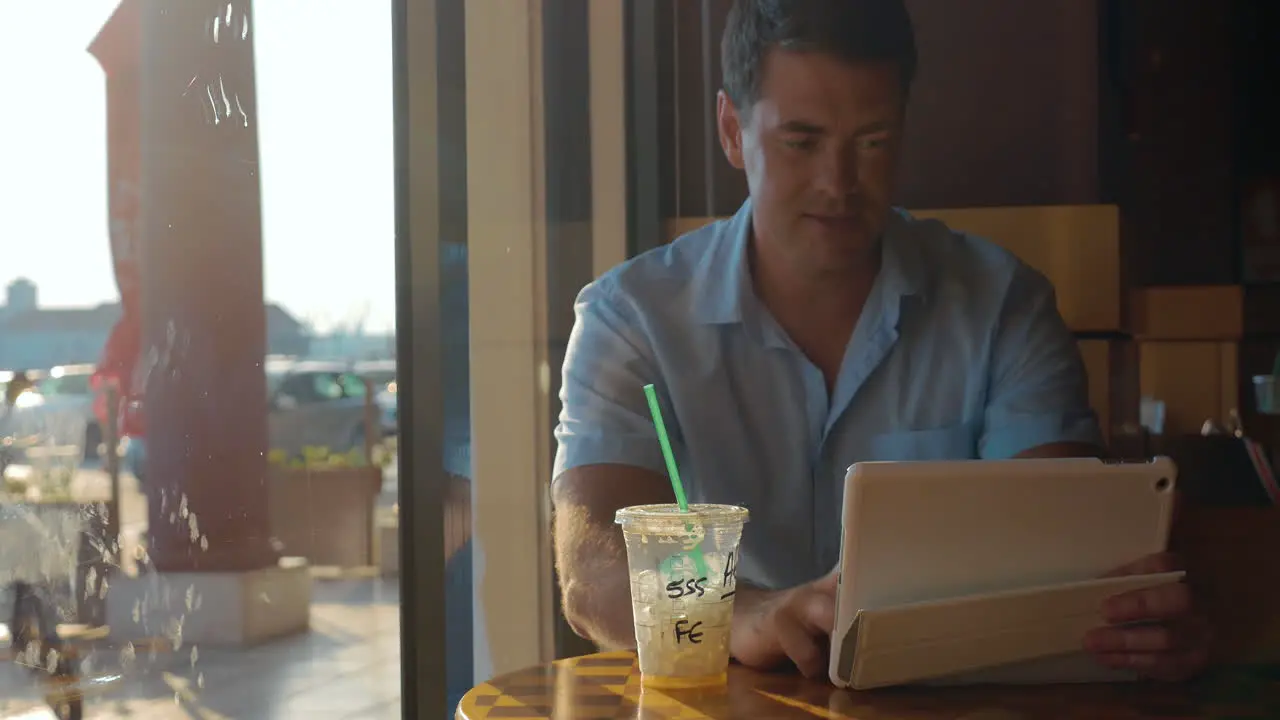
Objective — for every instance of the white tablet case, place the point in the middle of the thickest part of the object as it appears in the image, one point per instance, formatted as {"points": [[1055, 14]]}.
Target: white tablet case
{"points": [[989, 571]]}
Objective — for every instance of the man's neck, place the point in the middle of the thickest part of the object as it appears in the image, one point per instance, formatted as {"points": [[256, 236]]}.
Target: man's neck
{"points": [[791, 290], [817, 310]]}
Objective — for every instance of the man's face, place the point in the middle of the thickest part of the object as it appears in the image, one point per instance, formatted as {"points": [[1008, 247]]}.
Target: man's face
{"points": [[819, 149]]}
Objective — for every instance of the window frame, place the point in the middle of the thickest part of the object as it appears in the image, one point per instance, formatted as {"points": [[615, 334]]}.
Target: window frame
{"points": [[422, 483], [520, 289]]}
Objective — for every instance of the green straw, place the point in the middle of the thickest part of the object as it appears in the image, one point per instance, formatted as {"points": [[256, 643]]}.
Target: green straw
{"points": [[673, 472]]}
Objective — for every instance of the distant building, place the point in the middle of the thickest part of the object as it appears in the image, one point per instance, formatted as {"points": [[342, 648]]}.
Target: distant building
{"points": [[32, 337], [285, 335], [353, 347]]}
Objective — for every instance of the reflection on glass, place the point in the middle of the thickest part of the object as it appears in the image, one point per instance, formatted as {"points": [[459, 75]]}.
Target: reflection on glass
{"points": [[197, 512]]}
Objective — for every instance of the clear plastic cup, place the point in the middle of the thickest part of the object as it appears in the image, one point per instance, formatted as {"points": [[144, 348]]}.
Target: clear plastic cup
{"points": [[684, 570]]}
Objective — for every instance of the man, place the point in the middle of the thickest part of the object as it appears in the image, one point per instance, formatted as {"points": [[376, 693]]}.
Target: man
{"points": [[17, 385], [816, 328]]}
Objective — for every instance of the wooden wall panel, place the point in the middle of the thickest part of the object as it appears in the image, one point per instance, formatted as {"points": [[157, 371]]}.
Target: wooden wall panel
{"points": [[1111, 365], [1197, 381], [1174, 64], [1005, 110], [699, 179], [1076, 247], [729, 185], [668, 116], [1097, 364], [692, 105], [1207, 312]]}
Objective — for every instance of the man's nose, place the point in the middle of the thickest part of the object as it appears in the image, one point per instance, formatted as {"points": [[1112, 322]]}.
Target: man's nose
{"points": [[838, 173]]}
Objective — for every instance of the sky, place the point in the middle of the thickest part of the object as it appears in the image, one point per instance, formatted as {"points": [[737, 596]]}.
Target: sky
{"points": [[325, 142]]}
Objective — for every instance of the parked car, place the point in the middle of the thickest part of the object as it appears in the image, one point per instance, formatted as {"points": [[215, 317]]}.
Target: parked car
{"points": [[314, 403], [378, 372], [310, 404]]}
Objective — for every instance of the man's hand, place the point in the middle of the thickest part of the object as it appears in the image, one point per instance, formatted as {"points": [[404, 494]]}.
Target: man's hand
{"points": [[1155, 631], [771, 627]]}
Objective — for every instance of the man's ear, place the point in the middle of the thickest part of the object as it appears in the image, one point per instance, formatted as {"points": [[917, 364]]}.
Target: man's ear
{"points": [[729, 125]]}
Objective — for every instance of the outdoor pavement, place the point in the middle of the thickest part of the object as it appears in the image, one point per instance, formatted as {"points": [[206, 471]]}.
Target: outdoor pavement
{"points": [[346, 667]]}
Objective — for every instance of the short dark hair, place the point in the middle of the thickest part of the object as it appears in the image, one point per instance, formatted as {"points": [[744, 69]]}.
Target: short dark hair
{"points": [[852, 30]]}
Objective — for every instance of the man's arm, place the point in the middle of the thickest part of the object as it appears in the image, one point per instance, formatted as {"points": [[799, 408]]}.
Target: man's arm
{"points": [[607, 458], [1038, 393], [1038, 407], [769, 627], [1062, 450], [590, 554]]}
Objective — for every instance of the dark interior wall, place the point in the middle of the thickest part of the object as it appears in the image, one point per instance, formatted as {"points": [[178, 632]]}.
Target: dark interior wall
{"points": [[696, 180], [1256, 31], [1004, 112], [566, 81], [1159, 106], [1257, 143], [1173, 64]]}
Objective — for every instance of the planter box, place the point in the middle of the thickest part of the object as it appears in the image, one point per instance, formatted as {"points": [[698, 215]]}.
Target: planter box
{"points": [[325, 514]]}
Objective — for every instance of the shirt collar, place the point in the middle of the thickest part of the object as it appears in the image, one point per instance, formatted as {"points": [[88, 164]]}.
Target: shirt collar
{"points": [[722, 278]]}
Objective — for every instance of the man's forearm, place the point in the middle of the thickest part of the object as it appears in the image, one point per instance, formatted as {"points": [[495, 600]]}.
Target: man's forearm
{"points": [[595, 583], [599, 608], [591, 555]]}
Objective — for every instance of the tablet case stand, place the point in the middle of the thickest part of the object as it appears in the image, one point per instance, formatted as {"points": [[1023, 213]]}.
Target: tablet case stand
{"points": [[948, 640], [979, 583]]}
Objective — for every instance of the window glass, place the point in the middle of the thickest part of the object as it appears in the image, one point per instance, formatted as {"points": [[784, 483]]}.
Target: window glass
{"points": [[203, 204]]}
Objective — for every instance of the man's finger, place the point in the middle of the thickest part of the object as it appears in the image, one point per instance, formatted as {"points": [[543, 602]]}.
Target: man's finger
{"points": [[1179, 666], [1170, 667], [1143, 639], [800, 645], [817, 612], [1149, 565], [828, 583], [1164, 602]]}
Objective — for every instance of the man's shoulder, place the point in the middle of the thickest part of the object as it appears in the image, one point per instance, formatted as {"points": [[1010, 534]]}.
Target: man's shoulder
{"points": [[663, 274], [955, 259]]}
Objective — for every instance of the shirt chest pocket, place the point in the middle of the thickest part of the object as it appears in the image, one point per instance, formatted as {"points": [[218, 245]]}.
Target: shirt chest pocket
{"points": [[958, 442]]}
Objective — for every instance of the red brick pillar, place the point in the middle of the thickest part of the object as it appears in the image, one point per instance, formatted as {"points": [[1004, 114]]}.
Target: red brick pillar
{"points": [[203, 317]]}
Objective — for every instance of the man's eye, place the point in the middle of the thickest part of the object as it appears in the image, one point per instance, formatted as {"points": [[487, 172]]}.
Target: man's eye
{"points": [[875, 142], [804, 144]]}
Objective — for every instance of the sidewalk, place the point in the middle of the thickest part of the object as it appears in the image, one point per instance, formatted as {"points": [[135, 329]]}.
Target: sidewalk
{"points": [[346, 668]]}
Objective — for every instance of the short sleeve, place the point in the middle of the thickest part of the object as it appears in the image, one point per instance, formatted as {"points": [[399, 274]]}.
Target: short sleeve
{"points": [[604, 417], [1038, 392]]}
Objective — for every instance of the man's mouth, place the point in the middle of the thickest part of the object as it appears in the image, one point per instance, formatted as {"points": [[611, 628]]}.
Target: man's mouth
{"points": [[835, 222]]}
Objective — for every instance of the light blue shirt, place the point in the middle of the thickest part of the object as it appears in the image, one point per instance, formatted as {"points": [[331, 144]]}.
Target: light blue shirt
{"points": [[959, 353]]}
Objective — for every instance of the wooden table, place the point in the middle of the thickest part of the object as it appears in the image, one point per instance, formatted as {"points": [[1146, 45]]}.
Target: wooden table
{"points": [[607, 686]]}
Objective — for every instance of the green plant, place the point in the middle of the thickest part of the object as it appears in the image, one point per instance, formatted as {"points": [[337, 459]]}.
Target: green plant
{"points": [[318, 457], [15, 487], [385, 452]]}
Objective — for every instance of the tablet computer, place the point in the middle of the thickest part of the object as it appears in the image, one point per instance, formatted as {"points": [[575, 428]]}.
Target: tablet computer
{"points": [[917, 532]]}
